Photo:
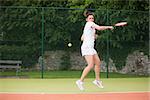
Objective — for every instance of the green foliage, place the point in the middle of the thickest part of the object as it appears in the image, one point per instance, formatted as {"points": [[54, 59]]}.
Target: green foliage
{"points": [[21, 25]]}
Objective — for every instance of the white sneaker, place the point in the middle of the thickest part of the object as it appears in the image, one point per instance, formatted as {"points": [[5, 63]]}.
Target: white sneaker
{"points": [[80, 84], [98, 83]]}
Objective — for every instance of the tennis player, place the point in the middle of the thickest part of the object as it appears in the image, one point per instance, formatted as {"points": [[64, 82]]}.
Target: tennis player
{"points": [[87, 49]]}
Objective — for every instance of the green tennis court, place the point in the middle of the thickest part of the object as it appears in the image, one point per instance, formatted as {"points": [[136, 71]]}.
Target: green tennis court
{"points": [[61, 86]]}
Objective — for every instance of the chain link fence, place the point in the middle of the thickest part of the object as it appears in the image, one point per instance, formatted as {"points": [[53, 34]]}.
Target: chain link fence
{"points": [[39, 36]]}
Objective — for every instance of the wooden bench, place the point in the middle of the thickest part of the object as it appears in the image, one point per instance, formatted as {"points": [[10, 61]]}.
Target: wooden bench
{"points": [[10, 64]]}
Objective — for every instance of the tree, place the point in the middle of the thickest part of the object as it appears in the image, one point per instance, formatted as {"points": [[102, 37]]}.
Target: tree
{"points": [[20, 22]]}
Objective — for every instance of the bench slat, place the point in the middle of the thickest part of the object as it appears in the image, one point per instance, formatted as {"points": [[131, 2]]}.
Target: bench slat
{"points": [[10, 66], [10, 62]]}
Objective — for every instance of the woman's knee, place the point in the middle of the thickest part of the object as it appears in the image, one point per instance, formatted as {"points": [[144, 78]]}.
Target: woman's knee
{"points": [[90, 61], [97, 63], [90, 65]]}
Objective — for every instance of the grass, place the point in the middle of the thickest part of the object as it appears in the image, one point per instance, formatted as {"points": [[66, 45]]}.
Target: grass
{"points": [[61, 86], [64, 74]]}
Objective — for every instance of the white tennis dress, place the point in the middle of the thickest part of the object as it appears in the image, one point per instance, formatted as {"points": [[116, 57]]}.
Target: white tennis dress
{"points": [[87, 47]]}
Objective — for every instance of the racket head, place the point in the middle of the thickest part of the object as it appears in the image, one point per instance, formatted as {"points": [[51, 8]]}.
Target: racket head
{"points": [[121, 24]]}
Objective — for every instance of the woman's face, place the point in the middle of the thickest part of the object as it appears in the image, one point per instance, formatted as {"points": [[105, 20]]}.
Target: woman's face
{"points": [[90, 18]]}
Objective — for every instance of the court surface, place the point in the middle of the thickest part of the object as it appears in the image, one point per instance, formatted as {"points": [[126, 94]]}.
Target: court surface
{"points": [[66, 89]]}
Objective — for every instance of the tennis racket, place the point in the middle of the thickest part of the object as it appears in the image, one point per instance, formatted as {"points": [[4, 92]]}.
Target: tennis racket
{"points": [[121, 24]]}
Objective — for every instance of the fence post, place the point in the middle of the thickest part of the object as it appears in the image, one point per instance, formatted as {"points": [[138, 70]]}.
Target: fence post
{"points": [[42, 44], [149, 34], [107, 56]]}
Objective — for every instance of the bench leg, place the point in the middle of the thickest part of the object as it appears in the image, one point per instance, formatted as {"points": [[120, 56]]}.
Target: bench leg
{"points": [[17, 72]]}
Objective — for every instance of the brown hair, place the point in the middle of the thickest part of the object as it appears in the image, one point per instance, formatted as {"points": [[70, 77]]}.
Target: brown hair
{"points": [[87, 13]]}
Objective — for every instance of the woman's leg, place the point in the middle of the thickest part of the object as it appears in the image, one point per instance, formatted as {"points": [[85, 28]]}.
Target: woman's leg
{"points": [[97, 81], [97, 66], [90, 61]]}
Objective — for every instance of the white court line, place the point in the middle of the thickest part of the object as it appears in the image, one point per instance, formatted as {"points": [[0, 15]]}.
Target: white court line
{"points": [[75, 93]]}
